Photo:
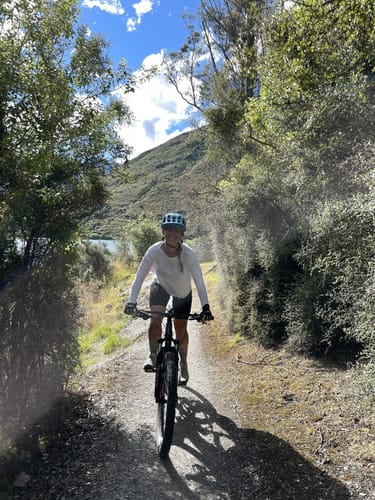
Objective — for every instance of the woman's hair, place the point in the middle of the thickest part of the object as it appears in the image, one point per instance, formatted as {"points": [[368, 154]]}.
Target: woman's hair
{"points": [[179, 250]]}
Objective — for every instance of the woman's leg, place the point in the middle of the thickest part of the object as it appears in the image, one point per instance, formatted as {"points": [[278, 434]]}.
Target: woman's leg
{"points": [[158, 302], [180, 326], [155, 329], [182, 307]]}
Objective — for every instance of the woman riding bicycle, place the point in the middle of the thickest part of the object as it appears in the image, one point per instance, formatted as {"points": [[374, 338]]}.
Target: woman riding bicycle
{"points": [[174, 265]]}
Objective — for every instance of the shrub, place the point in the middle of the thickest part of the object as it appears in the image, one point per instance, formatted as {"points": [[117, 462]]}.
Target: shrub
{"points": [[39, 316], [202, 248], [332, 304], [363, 381], [95, 262], [139, 235]]}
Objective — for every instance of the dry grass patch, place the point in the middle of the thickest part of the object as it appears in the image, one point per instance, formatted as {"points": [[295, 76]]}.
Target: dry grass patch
{"points": [[104, 321]]}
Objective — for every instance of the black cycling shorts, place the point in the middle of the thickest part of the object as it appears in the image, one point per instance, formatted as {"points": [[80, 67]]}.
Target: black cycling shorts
{"points": [[159, 297]]}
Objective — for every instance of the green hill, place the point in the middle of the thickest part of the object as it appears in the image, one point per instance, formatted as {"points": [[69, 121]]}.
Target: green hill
{"points": [[170, 177]]}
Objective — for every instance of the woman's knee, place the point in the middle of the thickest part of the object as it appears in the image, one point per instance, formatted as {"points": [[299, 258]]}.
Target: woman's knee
{"points": [[155, 322], [180, 326]]}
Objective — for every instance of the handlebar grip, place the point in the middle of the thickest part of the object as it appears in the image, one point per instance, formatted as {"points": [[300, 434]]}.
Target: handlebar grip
{"points": [[143, 315], [195, 316]]}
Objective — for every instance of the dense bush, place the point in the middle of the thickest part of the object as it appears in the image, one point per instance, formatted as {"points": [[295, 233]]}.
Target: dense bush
{"points": [[139, 235], [336, 259], [55, 148], [38, 346], [296, 246], [95, 262]]}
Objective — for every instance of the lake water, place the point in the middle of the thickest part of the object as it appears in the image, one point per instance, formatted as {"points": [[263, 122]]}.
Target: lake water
{"points": [[111, 245]]}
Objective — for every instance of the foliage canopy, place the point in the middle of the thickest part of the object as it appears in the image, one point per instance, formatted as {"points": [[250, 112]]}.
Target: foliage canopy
{"points": [[57, 140], [293, 229]]}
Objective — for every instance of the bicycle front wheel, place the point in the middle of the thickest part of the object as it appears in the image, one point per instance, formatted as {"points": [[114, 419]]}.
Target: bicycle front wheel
{"points": [[166, 403]]}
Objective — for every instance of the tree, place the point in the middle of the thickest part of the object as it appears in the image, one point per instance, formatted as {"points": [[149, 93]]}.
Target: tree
{"points": [[58, 139], [215, 70]]}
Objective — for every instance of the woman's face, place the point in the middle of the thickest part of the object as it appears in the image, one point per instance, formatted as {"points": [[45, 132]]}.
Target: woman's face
{"points": [[172, 236]]}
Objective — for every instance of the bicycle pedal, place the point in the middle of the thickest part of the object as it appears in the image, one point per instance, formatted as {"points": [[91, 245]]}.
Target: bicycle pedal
{"points": [[149, 369]]}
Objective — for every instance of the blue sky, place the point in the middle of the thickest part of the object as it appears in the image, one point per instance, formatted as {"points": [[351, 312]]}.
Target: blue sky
{"points": [[140, 31]]}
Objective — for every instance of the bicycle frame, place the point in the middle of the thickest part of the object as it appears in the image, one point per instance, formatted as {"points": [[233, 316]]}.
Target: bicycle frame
{"points": [[168, 342], [166, 380]]}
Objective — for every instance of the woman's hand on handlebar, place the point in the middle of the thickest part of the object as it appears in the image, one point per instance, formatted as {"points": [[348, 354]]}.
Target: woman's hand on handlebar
{"points": [[206, 314], [130, 309]]}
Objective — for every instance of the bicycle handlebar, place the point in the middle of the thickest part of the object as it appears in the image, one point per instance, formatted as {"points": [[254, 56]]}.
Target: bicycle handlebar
{"points": [[168, 314]]}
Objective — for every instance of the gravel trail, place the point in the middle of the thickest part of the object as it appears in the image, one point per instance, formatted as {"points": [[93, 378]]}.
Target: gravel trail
{"points": [[201, 440], [212, 457], [107, 452]]}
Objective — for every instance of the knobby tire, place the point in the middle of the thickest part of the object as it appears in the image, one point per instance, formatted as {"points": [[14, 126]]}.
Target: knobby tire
{"points": [[166, 406]]}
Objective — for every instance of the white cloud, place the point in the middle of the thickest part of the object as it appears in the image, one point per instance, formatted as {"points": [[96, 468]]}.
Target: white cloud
{"points": [[141, 8], [159, 112], [115, 7], [110, 6], [131, 24]]}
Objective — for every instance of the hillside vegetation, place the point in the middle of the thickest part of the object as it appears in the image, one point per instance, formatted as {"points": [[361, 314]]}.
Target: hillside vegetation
{"points": [[169, 177]]}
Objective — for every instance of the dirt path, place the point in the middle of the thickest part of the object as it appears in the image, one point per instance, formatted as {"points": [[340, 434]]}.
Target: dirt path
{"points": [[107, 453], [252, 424]]}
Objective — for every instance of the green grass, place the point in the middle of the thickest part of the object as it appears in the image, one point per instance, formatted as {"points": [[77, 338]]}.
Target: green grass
{"points": [[235, 340], [102, 332], [113, 342], [104, 320], [211, 276]]}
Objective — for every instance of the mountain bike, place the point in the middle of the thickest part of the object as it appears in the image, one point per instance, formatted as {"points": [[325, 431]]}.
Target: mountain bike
{"points": [[166, 379]]}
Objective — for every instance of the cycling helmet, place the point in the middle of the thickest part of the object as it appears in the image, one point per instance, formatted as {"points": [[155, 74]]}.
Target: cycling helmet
{"points": [[173, 219]]}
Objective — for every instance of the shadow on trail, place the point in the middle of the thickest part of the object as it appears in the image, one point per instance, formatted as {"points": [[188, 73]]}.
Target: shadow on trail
{"points": [[243, 463], [86, 455], [96, 457]]}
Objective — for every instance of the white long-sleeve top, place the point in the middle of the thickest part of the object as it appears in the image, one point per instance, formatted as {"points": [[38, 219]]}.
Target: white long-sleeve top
{"points": [[167, 272]]}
